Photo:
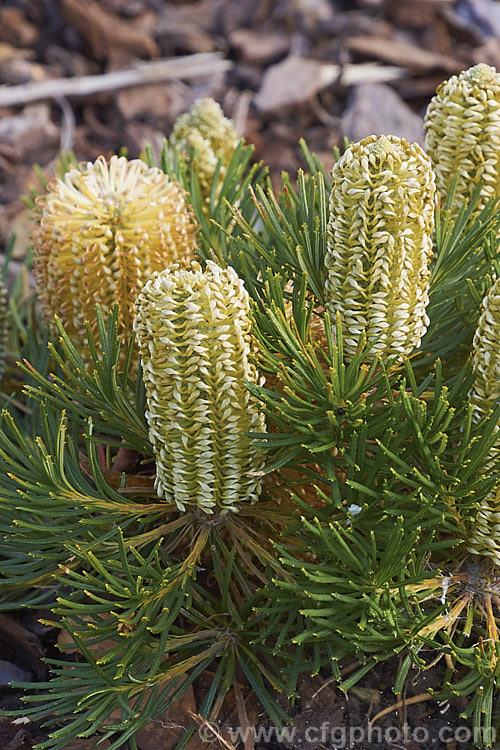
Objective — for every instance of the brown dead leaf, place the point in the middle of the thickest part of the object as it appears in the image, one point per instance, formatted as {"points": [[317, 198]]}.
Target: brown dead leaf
{"points": [[108, 35], [402, 53], [90, 744], [164, 732], [66, 642]]}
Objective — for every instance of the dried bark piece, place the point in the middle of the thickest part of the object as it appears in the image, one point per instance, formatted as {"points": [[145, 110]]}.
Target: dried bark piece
{"points": [[401, 53], [29, 131], [154, 99], [89, 744], [418, 14], [296, 80], [165, 731], [259, 48], [483, 15], [293, 81], [16, 29], [11, 672], [19, 643], [376, 109], [107, 34], [13, 738]]}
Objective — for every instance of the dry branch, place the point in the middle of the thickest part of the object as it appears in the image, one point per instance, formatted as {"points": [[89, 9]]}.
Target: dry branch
{"points": [[157, 71]]}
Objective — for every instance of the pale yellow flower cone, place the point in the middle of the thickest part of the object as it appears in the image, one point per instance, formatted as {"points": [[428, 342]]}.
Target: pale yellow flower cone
{"points": [[463, 135], [379, 245], [485, 538], [103, 229], [197, 351], [206, 133]]}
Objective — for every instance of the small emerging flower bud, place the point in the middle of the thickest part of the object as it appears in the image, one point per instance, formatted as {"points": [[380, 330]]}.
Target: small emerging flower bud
{"points": [[485, 538], [463, 135], [379, 244], [196, 346], [204, 132], [102, 231]]}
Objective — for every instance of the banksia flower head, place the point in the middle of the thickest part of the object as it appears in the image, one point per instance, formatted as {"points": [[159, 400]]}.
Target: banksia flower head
{"points": [[102, 231], [379, 244], [204, 132], [485, 539], [196, 347], [463, 135], [3, 327], [486, 346]]}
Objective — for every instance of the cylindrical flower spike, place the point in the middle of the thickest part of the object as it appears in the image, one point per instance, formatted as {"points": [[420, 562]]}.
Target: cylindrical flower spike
{"points": [[204, 132], [4, 322], [485, 537], [197, 351], [379, 244], [103, 229], [463, 135], [486, 346]]}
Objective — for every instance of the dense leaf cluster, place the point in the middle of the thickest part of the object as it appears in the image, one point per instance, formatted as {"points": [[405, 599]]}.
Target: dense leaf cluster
{"points": [[357, 548]]}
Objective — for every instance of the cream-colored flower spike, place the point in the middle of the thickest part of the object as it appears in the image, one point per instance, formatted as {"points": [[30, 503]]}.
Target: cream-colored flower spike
{"points": [[485, 537], [206, 133], [197, 351], [102, 231], [463, 135], [379, 244]]}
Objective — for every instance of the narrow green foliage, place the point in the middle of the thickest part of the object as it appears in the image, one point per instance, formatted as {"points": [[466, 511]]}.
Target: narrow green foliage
{"points": [[466, 254], [214, 214], [376, 469]]}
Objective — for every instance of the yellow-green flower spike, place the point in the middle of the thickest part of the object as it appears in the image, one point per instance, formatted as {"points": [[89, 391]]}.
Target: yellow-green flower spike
{"points": [[485, 538], [463, 135], [486, 347], [4, 322], [379, 244], [204, 132], [102, 230], [197, 351]]}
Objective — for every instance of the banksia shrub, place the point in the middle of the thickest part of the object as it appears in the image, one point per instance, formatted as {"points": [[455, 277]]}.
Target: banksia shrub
{"points": [[379, 244], [102, 231], [485, 396], [196, 347], [206, 134], [463, 135]]}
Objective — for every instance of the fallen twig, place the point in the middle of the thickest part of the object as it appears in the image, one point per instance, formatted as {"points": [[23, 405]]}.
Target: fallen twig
{"points": [[200, 65]]}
